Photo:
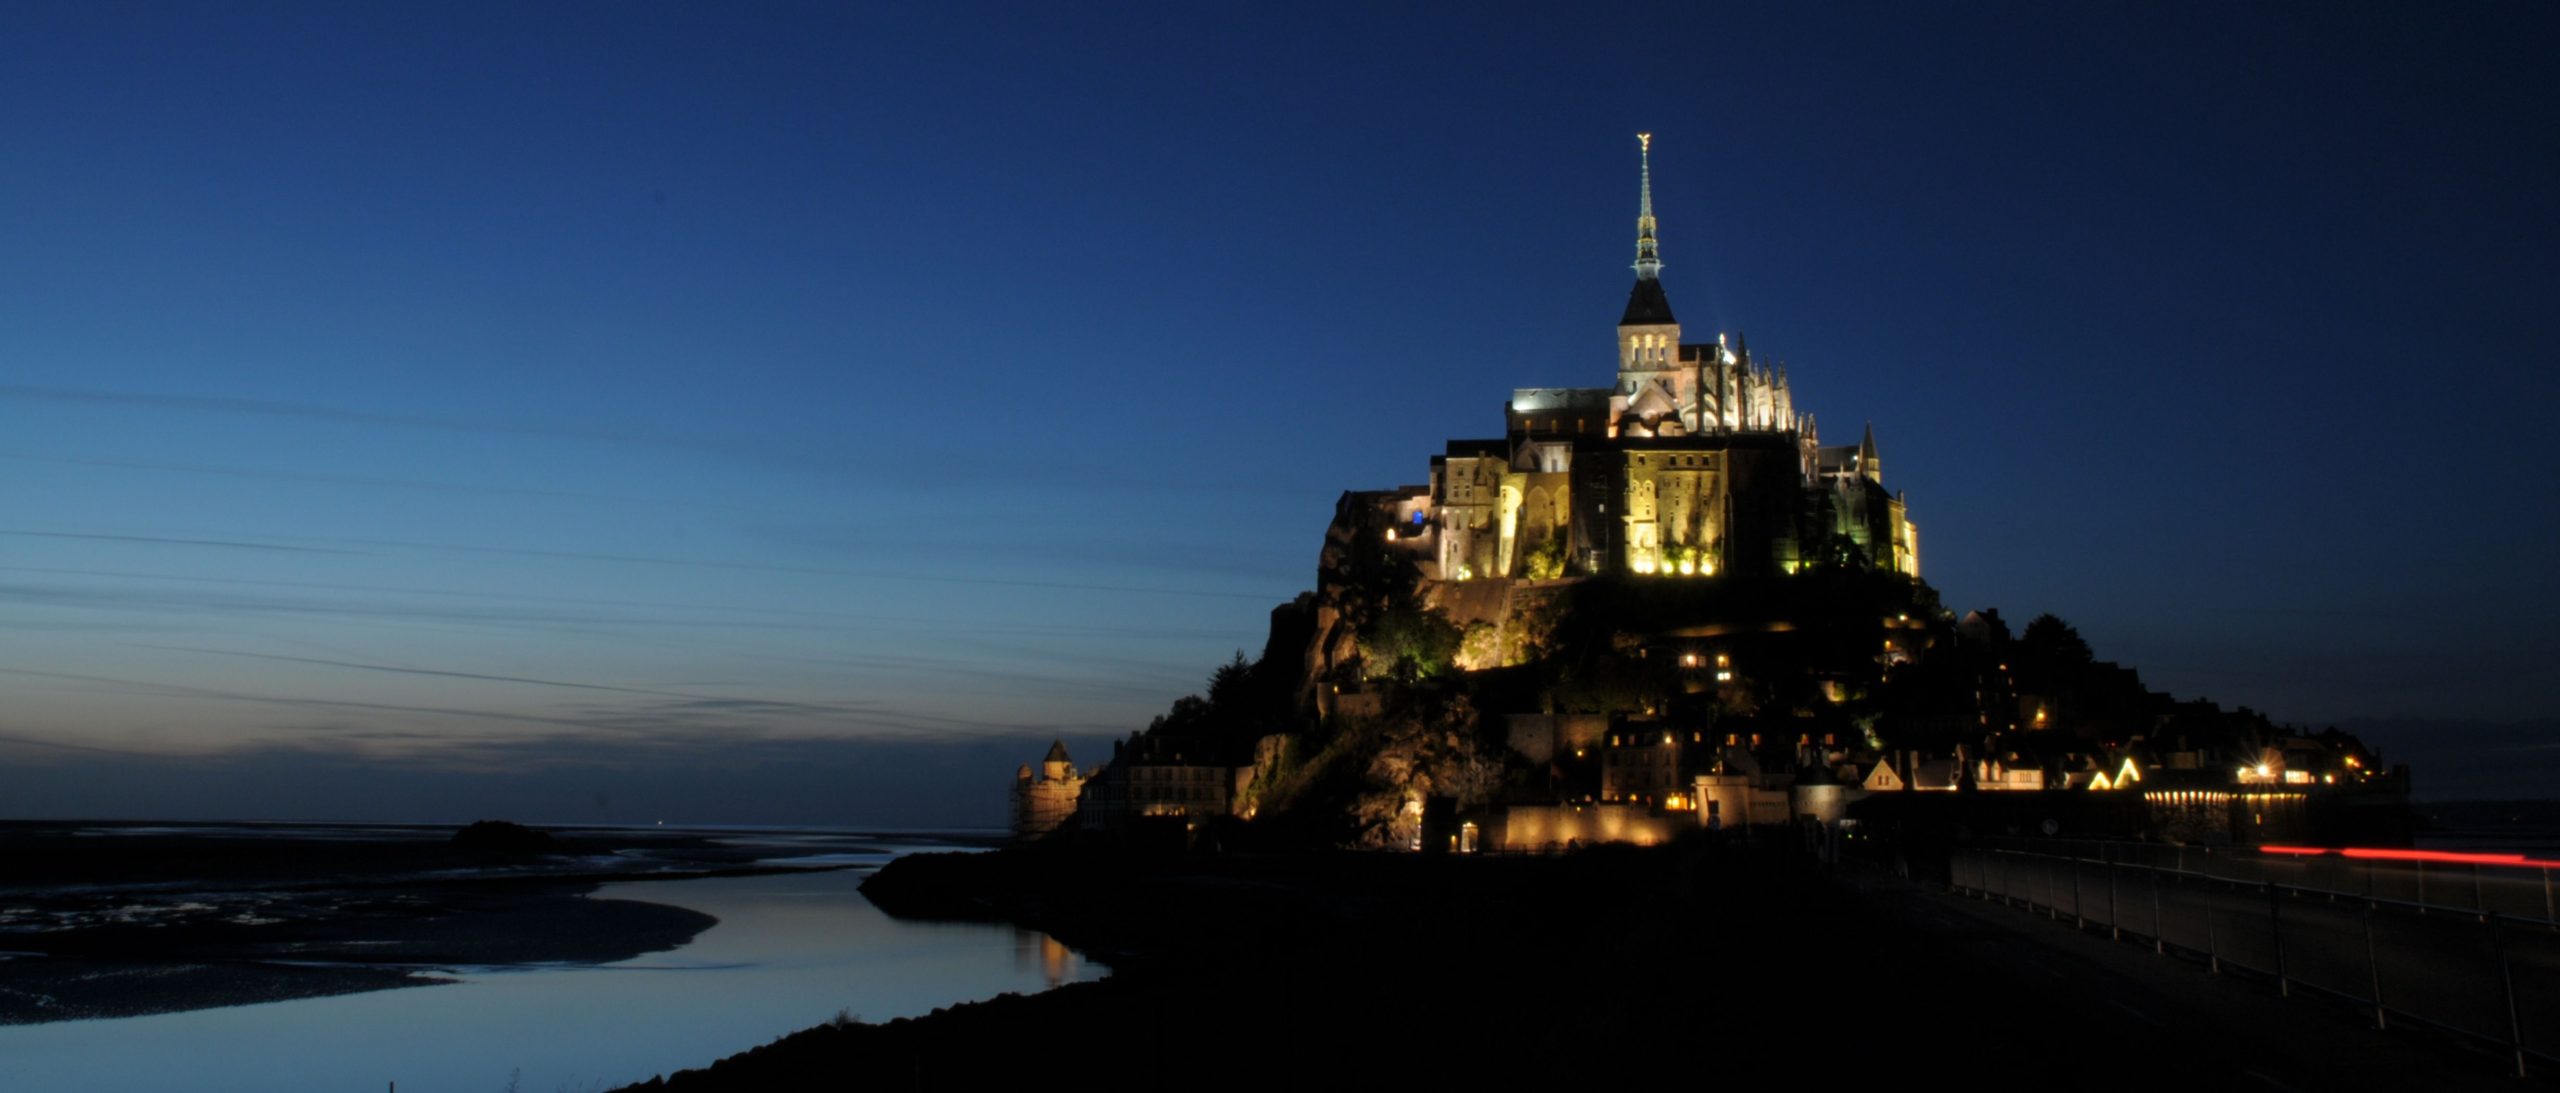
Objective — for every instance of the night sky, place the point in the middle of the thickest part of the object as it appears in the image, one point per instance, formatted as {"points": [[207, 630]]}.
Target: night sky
{"points": [[627, 412]]}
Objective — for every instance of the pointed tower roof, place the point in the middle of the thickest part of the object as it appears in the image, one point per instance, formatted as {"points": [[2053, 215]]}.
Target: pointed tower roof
{"points": [[1646, 305], [1057, 752]]}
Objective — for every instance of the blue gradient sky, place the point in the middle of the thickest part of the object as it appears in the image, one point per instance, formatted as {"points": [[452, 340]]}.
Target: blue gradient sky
{"points": [[628, 411]]}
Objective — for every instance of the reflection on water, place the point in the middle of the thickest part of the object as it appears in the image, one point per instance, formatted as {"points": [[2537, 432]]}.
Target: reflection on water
{"points": [[1057, 963], [790, 951]]}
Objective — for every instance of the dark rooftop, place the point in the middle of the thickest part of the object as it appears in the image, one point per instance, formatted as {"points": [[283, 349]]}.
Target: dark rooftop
{"points": [[1646, 304]]}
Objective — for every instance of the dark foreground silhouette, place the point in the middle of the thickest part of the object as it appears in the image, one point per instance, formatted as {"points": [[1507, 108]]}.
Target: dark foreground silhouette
{"points": [[1610, 968]]}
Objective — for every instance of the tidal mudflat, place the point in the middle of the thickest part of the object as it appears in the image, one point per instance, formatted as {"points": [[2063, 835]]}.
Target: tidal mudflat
{"points": [[254, 957]]}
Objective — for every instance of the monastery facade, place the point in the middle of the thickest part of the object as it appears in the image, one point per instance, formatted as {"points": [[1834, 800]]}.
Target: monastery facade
{"points": [[1694, 463]]}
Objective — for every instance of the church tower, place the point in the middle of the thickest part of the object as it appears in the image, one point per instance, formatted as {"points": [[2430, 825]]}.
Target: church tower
{"points": [[1650, 376]]}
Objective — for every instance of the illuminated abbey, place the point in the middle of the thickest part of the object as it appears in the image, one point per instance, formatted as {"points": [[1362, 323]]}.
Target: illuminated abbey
{"points": [[1663, 605], [1694, 463]]}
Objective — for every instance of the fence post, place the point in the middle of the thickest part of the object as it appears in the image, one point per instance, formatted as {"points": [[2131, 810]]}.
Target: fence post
{"points": [[2212, 938], [2052, 893], [2079, 910], [2115, 917], [2375, 964], [2479, 899], [2159, 943], [2507, 977], [2275, 928]]}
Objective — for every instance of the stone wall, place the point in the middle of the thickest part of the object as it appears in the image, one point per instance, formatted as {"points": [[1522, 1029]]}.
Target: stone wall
{"points": [[1541, 737], [1044, 806], [1534, 828]]}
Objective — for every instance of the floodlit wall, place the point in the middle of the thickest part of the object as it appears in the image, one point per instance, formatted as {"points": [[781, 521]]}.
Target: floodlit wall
{"points": [[1550, 827], [1541, 737]]}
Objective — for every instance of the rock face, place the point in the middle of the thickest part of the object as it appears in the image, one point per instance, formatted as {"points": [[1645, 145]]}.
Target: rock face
{"points": [[1336, 608], [1374, 602]]}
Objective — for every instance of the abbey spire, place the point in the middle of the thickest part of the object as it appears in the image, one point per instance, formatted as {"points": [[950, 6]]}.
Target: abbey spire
{"points": [[1648, 250], [1646, 305]]}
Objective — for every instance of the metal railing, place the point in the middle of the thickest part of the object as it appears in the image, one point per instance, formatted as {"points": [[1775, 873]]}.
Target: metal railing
{"points": [[2524, 892], [2471, 965]]}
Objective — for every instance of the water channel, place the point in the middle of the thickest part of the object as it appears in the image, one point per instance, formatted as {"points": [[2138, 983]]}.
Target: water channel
{"points": [[790, 951]]}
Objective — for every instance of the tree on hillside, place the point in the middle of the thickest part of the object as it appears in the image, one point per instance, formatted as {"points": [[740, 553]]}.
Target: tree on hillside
{"points": [[2049, 640], [1231, 686], [1409, 642]]}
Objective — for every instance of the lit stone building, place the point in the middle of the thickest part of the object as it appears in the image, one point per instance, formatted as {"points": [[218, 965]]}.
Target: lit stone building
{"points": [[1043, 803], [1168, 775], [1695, 462]]}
